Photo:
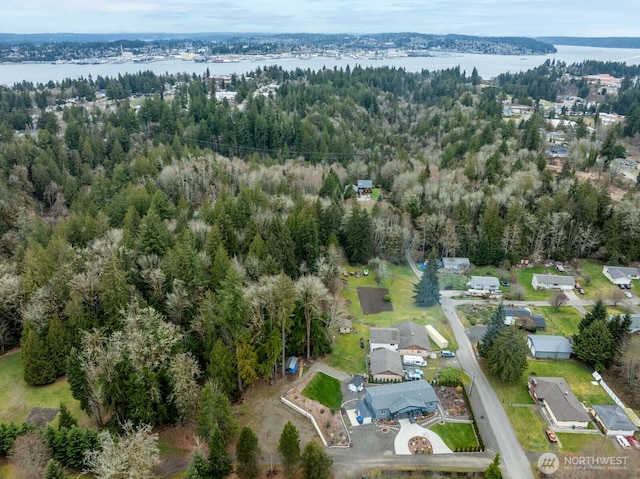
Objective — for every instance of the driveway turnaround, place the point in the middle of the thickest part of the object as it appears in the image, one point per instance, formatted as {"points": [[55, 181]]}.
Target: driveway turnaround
{"points": [[408, 430]]}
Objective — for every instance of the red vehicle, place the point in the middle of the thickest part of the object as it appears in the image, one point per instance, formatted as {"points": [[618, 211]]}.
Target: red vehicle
{"points": [[551, 435], [634, 442]]}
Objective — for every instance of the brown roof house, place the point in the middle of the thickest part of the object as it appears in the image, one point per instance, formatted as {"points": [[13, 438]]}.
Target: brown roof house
{"points": [[558, 402], [385, 366], [414, 339]]}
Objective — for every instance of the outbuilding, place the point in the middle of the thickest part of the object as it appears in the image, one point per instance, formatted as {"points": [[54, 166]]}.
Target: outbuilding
{"points": [[549, 347], [613, 420]]}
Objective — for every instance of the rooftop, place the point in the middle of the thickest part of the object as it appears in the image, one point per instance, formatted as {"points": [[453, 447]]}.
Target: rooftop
{"points": [[559, 398], [555, 279], [613, 417], [397, 397], [413, 335], [553, 344], [385, 361], [385, 335]]}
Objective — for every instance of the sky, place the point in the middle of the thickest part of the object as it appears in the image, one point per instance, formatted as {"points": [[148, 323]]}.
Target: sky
{"points": [[531, 18]]}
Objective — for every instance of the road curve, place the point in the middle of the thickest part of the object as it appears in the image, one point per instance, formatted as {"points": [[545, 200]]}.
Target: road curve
{"points": [[515, 464]]}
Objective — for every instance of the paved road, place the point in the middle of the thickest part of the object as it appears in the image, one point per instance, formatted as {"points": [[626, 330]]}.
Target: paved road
{"points": [[515, 464]]}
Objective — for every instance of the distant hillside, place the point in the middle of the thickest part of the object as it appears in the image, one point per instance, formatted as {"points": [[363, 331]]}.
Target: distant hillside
{"points": [[602, 42]]}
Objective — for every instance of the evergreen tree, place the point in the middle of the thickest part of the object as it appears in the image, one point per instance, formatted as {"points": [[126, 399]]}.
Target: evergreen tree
{"points": [[198, 467], [598, 312], [594, 345], [494, 326], [77, 379], [57, 345], [507, 356], [493, 471], [153, 235], [37, 368], [65, 419], [358, 235], [427, 290], [289, 449], [619, 328], [316, 464], [220, 465], [53, 470], [215, 413], [248, 454]]}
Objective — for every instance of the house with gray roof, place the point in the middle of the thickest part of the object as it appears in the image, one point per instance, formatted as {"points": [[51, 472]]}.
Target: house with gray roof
{"points": [[552, 281], [613, 420], [365, 187], [517, 315], [385, 365], [558, 402], [620, 274], [414, 339], [485, 283], [395, 401], [549, 347], [387, 338]]}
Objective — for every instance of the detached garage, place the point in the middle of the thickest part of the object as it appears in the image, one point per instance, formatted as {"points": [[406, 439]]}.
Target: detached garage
{"points": [[613, 420], [549, 347]]}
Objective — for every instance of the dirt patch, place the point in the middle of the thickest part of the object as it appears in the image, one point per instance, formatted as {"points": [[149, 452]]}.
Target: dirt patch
{"points": [[372, 300], [330, 423], [41, 416]]}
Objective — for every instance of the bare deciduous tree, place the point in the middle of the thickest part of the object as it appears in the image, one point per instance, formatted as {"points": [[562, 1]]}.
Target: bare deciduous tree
{"points": [[184, 372], [30, 453], [133, 456], [559, 300]]}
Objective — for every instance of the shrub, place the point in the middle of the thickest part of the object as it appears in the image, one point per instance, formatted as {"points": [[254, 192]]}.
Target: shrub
{"points": [[387, 298]]}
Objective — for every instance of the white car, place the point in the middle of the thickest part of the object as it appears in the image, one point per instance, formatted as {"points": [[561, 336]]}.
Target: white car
{"points": [[623, 441], [628, 294]]}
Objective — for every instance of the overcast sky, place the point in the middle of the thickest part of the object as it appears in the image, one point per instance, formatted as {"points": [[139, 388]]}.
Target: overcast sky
{"points": [[472, 17]]}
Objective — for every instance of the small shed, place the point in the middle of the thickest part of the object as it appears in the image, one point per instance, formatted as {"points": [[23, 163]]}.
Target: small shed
{"points": [[292, 365], [356, 384], [345, 326]]}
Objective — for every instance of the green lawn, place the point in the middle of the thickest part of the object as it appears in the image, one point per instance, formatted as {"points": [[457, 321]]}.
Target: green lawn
{"points": [[326, 390], [563, 321], [524, 279], [456, 435], [347, 354], [17, 398], [587, 443]]}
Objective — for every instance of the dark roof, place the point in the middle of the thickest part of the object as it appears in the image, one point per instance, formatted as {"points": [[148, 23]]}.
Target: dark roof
{"points": [[385, 361], [550, 344], [385, 335], [402, 396], [614, 418], [413, 335], [540, 322], [357, 381], [517, 312], [559, 398]]}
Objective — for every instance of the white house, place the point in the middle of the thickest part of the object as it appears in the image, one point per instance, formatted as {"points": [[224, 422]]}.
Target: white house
{"points": [[387, 338], [620, 274], [558, 401], [485, 283], [552, 281]]}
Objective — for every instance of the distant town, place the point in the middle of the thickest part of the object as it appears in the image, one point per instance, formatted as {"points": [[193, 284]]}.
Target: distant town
{"points": [[220, 48]]}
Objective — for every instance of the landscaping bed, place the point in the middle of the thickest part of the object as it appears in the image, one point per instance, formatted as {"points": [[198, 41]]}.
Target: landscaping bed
{"points": [[329, 421], [452, 401]]}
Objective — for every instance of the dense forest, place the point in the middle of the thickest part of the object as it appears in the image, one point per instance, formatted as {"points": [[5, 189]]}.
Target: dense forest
{"points": [[148, 229]]}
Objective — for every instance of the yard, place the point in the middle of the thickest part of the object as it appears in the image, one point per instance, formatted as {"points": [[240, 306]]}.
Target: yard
{"points": [[456, 435], [595, 283], [326, 390], [524, 279], [563, 321], [347, 354], [17, 398], [520, 407], [575, 443]]}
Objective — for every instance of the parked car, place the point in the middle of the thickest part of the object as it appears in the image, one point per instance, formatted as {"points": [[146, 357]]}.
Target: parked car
{"points": [[628, 294], [633, 442], [417, 371], [551, 435], [362, 343], [504, 282], [581, 290], [445, 353], [623, 441], [409, 360], [412, 376]]}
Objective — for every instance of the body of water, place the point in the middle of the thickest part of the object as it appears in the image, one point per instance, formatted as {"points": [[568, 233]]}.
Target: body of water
{"points": [[488, 66]]}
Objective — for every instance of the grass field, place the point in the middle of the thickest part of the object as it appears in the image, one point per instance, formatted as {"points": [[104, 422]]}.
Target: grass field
{"points": [[585, 443], [347, 354], [326, 390], [456, 435], [594, 282], [17, 398], [563, 321], [524, 279]]}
